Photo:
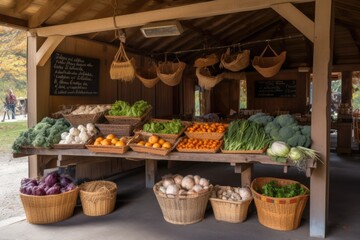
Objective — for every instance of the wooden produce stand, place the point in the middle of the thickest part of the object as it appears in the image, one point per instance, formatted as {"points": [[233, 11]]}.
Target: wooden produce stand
{"points": [[243, 163]]}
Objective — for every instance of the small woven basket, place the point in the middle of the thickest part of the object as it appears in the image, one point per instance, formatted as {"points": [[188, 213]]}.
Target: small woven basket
{"points": [[148, 76], [170, 73], [182, 210], [235, 62], [278, 213], [122, 68], [206, 61], [207, 81], [269, 66], [230, 211], [50, 208], [98, 197]]}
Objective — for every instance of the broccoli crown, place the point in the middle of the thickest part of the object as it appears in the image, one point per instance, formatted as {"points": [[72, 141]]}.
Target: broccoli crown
{"points": [[285, 133], [270, 126], [261, 118], [306, 130], [285, 120]]}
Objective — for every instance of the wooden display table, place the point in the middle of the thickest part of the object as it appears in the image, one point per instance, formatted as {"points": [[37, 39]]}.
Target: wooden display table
{"points": [[243, 163]]}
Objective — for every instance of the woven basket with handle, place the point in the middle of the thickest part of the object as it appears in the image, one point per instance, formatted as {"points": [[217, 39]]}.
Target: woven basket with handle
{"points": [[148, 76], [206, 61], [235, 62], [207, 81], [122, 68], [170, 73], [269, 66]]}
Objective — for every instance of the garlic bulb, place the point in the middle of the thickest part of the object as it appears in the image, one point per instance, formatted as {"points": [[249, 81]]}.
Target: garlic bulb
{"points": [[197, 179], [187, 183], [172, 189], [204, 182], [167, 181], [178, 179], [197, 188], [245, 193], [74, 131]]}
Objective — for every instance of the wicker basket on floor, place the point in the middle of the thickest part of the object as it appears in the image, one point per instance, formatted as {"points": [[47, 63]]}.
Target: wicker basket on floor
{"points": [[50, 208], [278, 213], [98, 197], [230, 211], [182, 210]]}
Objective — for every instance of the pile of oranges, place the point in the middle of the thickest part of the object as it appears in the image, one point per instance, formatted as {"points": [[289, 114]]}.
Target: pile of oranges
{"points": [[207, 127], [194, 143], [155, 142], [111, 140]]}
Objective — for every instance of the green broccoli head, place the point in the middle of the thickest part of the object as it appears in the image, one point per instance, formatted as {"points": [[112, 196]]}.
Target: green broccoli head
{"points": [[285, 120], [285, 133], [270, 126], [306, 130]]}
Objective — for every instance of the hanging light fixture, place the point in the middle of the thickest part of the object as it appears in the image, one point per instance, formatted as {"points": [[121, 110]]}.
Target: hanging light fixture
{"points": [[162, 29]]}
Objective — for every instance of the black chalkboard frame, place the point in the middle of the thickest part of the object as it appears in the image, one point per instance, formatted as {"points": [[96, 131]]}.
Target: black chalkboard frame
{"points": [[85, 75], [275, 88]]}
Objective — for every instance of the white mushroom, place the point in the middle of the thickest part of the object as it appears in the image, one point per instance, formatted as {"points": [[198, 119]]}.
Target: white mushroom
{"points": [[197, 179], [197, 188], [204, 182], [187, 183], [178, 178], [172, 189], [168, 181]]}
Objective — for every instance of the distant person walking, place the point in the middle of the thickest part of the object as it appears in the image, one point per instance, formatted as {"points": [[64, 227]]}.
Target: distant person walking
{"points": [[10, 103]]}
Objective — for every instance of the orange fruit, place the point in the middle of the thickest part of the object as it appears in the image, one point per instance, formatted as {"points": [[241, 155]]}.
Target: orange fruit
{"points": [[99, 139], [110, 136], [156, 145], [141, 143], [120, 144], [166, 145], [161, 141], [148, 144], [153, 139], [106, 142], [114, 140]]}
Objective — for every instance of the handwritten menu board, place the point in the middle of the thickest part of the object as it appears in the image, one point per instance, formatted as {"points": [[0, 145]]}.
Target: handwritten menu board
{"points": [[73, 75], [275, 88]]}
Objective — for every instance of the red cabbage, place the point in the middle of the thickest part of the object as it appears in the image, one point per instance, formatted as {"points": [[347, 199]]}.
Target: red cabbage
{"points": [[53, 190], [64, 181], [25, 180], [70, 187], [38, 191], [23, 189], [50, 180]]}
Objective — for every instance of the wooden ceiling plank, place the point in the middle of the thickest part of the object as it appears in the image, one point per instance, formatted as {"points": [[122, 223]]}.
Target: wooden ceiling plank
{"points": [[45, 13], [84, 6], [296, 18], [21, 5], [197, 10], [13, 22], [47, 48]]}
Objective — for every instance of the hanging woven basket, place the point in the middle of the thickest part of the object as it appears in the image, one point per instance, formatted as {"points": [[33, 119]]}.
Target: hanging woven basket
{"points": [[148, 76], [269, 66], [207, 81], [170, 73], [206, 61], [235, 62], [122, 68]]}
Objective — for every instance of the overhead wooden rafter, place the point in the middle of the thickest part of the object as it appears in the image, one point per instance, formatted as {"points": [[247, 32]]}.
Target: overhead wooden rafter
{"points": [[213, 8], [21, 5], [13, 22], [84, 6], [47, 48], [45, 12]]}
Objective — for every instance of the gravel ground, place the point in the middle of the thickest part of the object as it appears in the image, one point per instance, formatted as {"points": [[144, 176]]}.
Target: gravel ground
{"points": [[11, 172]]}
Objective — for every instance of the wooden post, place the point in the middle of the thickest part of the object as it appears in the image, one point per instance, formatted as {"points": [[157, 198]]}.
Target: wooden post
{"points": [[245, 169], [320, 118], [150, 172], [32, 96]]}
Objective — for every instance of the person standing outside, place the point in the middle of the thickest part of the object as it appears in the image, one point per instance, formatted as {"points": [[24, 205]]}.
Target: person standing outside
{"points": [[10, 101]]}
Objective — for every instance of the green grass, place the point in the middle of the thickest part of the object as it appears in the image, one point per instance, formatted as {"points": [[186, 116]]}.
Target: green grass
{"points": [[9, 131]]}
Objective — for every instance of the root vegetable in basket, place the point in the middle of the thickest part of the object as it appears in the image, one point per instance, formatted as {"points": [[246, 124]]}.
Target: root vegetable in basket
{"points": [[232, 193]]}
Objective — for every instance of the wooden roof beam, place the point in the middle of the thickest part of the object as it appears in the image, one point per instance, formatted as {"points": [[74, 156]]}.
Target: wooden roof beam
{"points": [[45, 13], [13, 22], [191, 11], [46, 49], [82, 8], [21, 5], [298, 19]]}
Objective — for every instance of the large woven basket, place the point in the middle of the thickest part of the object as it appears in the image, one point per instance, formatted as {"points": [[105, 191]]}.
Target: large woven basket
{"points": [[207, 81], [278, 213], [170, 73], [235, 62], [182, 210], [122, 68], [98, 197], [269, 66], [206, 61], [147, 76], [50, 208], [230, 211]]}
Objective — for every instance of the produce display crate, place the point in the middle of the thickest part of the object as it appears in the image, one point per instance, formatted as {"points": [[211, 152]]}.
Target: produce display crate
{"points": [[167, 137], [206, 135], [201, 150], [83, 119], [182, 210], [260, 151], [107, 149], [98, 197], [50, 208], [69, 146], [143, 149], [278, 213], [128, 120], [230, 211]]}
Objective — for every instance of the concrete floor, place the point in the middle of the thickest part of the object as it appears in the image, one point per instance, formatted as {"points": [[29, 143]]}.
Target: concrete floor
{"points": [[138, 216]]}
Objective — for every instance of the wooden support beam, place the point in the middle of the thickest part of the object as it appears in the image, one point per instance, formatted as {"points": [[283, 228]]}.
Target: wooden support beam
{"points": [[21, 5], [150, 172], [45, 12], [245, 169], [213, 8], [48, 47], [320, 117], [296, 18], [13, 22]]}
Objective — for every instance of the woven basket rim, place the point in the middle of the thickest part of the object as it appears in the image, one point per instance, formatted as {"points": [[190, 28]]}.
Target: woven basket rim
{"points": [[51, 195], [113, 186]]}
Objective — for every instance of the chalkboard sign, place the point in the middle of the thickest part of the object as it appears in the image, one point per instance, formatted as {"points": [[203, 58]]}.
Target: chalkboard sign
{"points": [[73, 75], [275, 88]]}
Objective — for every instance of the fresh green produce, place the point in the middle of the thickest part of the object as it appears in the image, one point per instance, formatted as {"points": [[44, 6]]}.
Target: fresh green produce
{"points": [[44, 134], [285, 128], [122, 108], [261, 118], [171, 127], [272, 189], [278, 151], [245, 135]]}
